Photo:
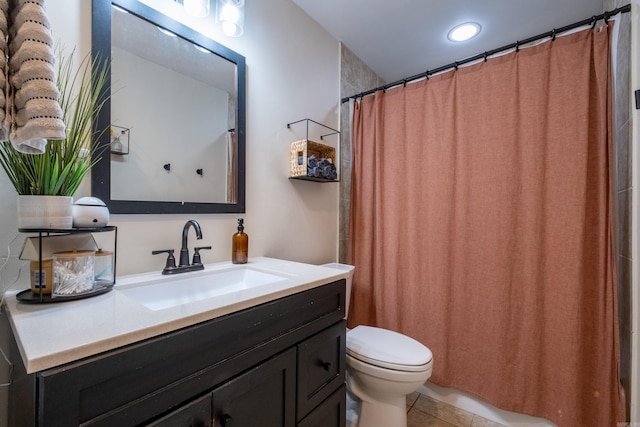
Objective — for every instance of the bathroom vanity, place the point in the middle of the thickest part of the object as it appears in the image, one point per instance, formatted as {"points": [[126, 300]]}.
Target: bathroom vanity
{"points": [[273, 357]]}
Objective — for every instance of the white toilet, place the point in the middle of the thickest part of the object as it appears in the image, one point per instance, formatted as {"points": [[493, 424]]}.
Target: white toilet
{"points": [[383, 367]]}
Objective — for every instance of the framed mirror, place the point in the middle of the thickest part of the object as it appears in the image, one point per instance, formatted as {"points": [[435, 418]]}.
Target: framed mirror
{"points": [[175, 115]]}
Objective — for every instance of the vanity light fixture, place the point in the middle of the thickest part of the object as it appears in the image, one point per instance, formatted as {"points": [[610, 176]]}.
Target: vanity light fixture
{"points": [[230, 16], [464, 32], [197, 8]]}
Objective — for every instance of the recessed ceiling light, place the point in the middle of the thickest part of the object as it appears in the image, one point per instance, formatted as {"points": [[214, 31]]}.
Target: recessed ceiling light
{"points": [[464, 31]]}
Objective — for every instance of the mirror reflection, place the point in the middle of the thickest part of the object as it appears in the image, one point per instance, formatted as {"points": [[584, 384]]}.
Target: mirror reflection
{"points": [[190, 127], [176, 116]]}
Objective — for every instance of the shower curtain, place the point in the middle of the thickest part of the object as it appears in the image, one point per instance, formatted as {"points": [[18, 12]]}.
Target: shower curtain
{"points": [[481, 225], [232, 165]]}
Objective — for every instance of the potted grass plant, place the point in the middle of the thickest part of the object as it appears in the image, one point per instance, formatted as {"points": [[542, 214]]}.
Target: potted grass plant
{"points": [[47, 182]]}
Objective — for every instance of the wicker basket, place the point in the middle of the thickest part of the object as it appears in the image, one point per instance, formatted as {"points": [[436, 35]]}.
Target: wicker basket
{"points": [[301, 150]]}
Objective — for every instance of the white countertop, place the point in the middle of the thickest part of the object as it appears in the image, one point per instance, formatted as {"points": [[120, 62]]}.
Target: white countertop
{"points": [[53, 334]]}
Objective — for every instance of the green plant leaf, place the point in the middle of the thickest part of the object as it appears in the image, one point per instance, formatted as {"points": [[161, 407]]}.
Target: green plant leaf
{"points": [[62, 167]]}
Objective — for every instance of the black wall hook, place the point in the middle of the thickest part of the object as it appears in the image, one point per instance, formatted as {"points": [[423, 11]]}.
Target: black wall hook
{"points": [[167, 167], [199, 171]]}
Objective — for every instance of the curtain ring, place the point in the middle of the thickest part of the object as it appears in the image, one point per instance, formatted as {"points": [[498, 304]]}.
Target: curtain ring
{"points": [[595, 19], [517, 45], [404, 82], [426, 74], [456, 65], [486, 55], [606, 17], [553, 35]]}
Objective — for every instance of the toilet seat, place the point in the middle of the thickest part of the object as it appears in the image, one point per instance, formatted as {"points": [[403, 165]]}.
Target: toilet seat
{"points": [[387, 349]]}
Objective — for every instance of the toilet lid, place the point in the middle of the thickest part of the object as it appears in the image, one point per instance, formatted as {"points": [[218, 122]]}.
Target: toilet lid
{"points": [[387, 349]]}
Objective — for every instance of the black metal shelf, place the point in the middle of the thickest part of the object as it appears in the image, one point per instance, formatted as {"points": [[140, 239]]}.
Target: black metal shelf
{"points": [[313, 178], [28, 296], [335, 131], [68, 230], [335, 155]]}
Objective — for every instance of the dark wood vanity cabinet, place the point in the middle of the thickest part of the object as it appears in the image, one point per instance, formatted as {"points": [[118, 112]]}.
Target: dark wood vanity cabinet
{"points": [[263, 396], [280, 363]]}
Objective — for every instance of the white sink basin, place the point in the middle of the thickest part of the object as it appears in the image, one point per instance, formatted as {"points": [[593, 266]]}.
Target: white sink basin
{"points": [[169, 291]]}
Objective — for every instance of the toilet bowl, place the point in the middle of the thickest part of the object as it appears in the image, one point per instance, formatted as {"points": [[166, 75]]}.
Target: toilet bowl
{"points": [[383, 367]]}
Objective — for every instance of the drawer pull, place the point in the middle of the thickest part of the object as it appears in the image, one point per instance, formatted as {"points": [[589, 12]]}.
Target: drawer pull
{"points": [[226, 420], [326, 365]]}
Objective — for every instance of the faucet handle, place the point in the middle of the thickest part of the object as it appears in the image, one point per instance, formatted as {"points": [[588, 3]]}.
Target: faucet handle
{"points": [[196, 254], [171, 260]]}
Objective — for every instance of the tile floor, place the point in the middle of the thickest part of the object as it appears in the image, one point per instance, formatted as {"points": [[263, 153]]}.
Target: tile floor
{"points": [[423, 411]]}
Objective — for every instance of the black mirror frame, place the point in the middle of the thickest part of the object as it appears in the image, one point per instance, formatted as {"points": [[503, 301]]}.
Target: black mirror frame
{"points": [[101, 171]]}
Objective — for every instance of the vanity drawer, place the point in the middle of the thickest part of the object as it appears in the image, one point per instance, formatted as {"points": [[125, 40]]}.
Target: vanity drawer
{"points": [[321, 367], [197, 413], [330, 413]]}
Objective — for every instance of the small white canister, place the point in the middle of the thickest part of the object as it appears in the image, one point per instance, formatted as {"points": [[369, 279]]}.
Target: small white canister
{"points": [[89, 212]]}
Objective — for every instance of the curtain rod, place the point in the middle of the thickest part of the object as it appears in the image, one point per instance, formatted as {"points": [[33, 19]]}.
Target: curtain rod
{"points": [[486, 54]]}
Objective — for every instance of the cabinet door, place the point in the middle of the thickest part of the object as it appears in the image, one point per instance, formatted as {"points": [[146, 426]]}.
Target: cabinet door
{"points": [[193, 414], [330, 413], [321, 365], [264, 396]]}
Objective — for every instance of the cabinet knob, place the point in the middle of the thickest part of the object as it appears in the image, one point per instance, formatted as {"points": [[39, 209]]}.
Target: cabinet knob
{"points": [[326, 365], [226, 420]]}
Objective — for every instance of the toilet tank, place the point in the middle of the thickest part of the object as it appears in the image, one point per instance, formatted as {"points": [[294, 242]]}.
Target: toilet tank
{"points": [[350, 269]]}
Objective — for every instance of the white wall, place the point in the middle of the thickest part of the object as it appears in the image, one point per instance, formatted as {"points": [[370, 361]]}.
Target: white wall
{"points": [[292, 73]]}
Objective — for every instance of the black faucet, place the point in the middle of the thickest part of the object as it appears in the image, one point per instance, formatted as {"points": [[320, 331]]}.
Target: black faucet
{"points": [[184, 266], [184, 251]]}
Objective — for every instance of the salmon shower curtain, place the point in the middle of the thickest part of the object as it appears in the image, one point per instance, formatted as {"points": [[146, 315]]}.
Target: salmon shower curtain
{"points": [[481, 225]]}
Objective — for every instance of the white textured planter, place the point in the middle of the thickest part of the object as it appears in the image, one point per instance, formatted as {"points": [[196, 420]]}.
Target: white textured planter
{"points": [[54, 212]]}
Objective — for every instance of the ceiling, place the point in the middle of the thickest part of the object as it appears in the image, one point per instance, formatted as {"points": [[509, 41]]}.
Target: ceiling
{"points": [[402, 38]]}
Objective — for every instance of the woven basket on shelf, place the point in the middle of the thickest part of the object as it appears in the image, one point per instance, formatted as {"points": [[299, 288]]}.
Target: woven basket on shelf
{"points": [[303, 149]]}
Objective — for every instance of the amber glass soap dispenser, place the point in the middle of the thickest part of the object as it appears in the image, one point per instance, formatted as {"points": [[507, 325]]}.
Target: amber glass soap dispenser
{"points": [[240, 245]]}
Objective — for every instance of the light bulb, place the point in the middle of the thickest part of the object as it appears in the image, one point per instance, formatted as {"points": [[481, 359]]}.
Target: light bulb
{"points": [[197, 8], [231, 29], [231, 17], [229, 13]]}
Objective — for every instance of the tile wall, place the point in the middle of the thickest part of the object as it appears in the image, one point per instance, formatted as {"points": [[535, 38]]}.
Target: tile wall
{"points": [[355, 77], [623, 189]]}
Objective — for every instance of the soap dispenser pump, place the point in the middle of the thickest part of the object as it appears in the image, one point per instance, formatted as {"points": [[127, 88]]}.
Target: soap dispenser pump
{"points": [[240, 245]]}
